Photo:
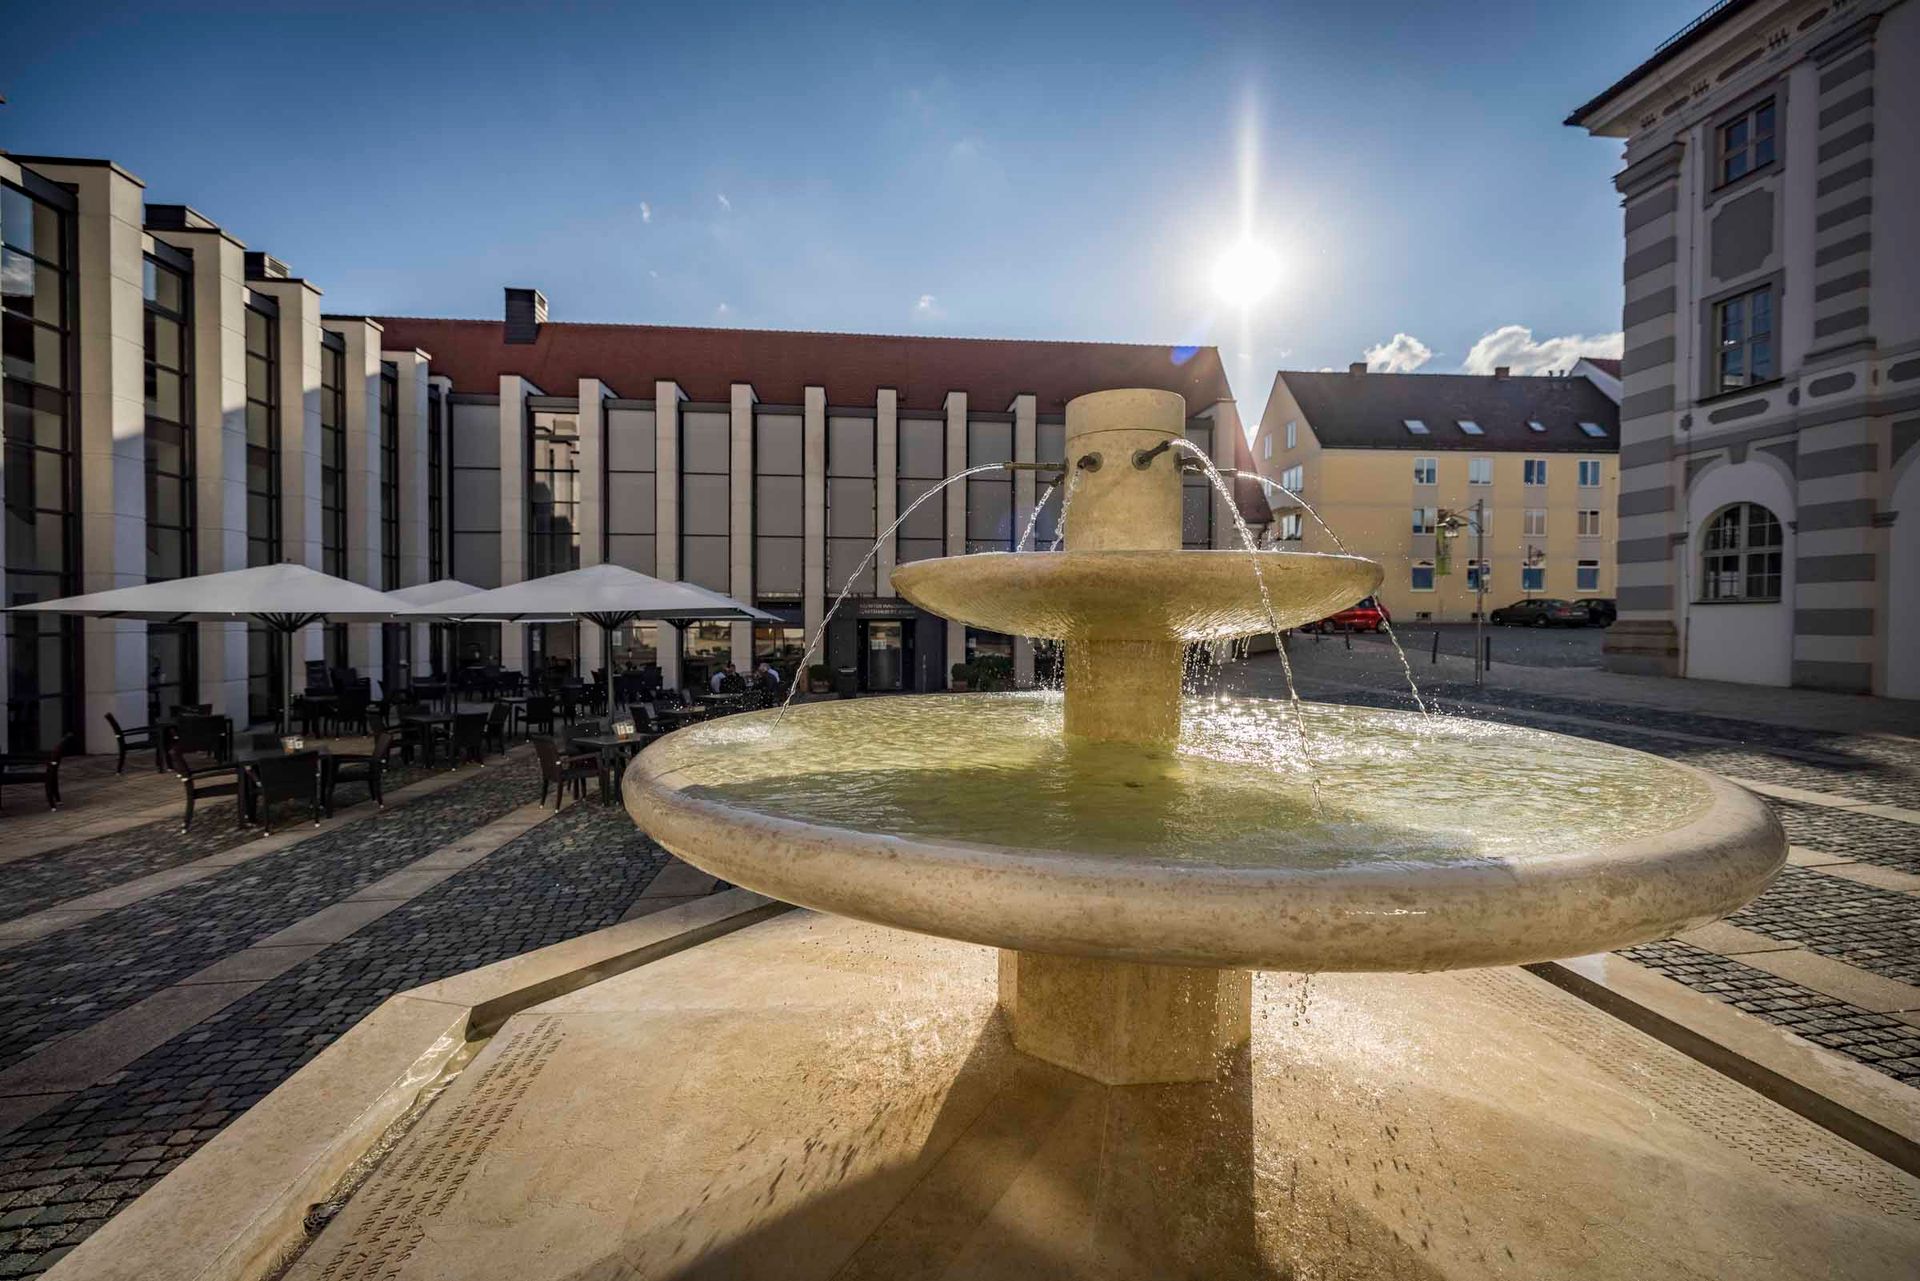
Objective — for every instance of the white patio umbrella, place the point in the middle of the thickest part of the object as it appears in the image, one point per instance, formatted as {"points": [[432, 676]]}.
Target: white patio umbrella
{"points": [[436, 592], [282, 598], [605, 595]]}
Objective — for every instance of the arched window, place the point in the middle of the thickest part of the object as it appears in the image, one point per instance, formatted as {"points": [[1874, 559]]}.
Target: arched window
{"points": [[1740, 556]]}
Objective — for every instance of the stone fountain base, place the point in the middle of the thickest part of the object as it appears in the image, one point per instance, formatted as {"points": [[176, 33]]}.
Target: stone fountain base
{"points": [[812, 1097]]}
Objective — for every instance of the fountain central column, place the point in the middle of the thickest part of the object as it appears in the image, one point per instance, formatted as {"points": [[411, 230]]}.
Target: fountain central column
{"points": [[1120, 1022]]}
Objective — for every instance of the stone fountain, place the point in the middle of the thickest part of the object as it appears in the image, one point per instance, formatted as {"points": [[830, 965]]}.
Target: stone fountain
{"points": [[1176, 844]]}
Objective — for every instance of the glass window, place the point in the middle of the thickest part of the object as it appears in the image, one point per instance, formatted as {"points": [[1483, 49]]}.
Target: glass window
{"points": [[779, 498], [1470, 427], [1533, 578], [1534, 523], [851, 503], [436, 487], [1266, 447], [1594, 430], [1422, 576], [1426, 471], [1479, 471], [1290, 527], [1294, 478], [1425, 519], [1589, 473], [1589, 523], [333, 455], [990, 495], [36, 294], [1479, 576], [1743, 328], [1536, 427], [1586, 576], [172, 650], [553, 494], [1293, 433], [1741, 555], [706, 498], [1747, 143], [390, 488], [263, 495], [923, 456], [1534, 471], [1415, 427], [631, 494]]}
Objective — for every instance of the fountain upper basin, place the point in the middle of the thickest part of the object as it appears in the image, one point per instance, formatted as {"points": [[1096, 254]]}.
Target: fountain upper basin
{"points": [[1444, 843], [1189, 595]]}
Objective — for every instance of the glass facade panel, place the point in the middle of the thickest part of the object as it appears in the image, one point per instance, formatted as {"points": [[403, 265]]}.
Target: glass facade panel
{"points": [[333, 455], [850, 504], [990, 495], [172, 654], [706, 459], [779, 523], [42, 536], [473, 521], [922, 463], [389, 482], [436, 487], [630, 490]]}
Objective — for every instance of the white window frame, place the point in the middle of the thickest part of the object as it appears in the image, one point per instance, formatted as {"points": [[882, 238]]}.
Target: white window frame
{"points": [[1591, 467], [1534, 523], [1533, 578], [1479, 471], [1426, 520], [1581, 571], [1293, 433], [1413, 583], [1589, 526], [1426, 471], [1533, 471]]}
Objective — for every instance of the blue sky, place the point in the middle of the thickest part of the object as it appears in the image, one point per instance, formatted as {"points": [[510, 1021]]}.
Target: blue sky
{"points": [[1049, 171]]}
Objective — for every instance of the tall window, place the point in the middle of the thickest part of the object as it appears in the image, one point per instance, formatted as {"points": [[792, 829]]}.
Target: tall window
{"points": [[1290, 527], [850, 501], [1479, 576], [1426, 471], [1479, 471], [1741, 556], [1590, 523], [1533, 578], [1294, 478], [390, 477], [990, 494], [779, 504], [1534, 522], [42, 543], [1746, 143], [473, 508], [1586, 576], [1533, 471], [171, 651], [333, 454], [1425, 519], [263, 492], [1266, 447], [923, 454], [706, 487], [1293, 433], [1421, 579], [436, 487], [630, 492], [1589, 473], [1743, 326], [553, 493]]}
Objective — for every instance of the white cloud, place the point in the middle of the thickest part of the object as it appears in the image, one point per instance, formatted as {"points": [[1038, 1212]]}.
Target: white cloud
{"points": [[646, 212], [1515, 347], [925, 305], [1402, 355], [726, 206], [723, 311]]}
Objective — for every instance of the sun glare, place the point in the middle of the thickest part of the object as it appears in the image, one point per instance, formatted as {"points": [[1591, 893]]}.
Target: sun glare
{"points": [[1245, 273]]}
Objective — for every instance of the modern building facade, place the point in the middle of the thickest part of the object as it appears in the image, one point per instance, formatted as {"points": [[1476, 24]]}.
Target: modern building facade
{"points": [[1400, 467], [177, 404], [1771, 377]]}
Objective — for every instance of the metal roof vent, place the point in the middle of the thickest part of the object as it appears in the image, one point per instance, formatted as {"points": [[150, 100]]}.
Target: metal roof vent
{"points": [[526, 312]]}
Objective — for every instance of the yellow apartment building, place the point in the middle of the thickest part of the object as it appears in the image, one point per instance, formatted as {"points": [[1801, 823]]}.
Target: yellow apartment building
{"points": [[1390, 461]]}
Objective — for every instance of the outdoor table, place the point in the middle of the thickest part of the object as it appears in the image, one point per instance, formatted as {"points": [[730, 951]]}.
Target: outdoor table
{"points": [[609, 746], [165, 727], [514, 702], [680, 715], [431, 722]]}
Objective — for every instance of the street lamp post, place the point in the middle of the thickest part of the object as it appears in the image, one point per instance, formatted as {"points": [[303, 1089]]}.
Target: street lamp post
{"points": [[1449, 526]]}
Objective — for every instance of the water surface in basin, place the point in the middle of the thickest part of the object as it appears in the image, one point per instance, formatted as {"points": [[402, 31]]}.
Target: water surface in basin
{"points": [[998, 769]]}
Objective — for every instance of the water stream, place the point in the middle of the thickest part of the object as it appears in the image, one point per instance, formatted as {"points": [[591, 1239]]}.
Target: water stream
{"points": [[1034, 519], [1413, 686], [1266, 604], [813, 642]]}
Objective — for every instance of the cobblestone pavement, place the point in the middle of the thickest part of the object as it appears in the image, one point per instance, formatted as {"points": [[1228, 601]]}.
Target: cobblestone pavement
{"points": [[67, 1171], [105, 861], [1875, 929], [1878, 1040], [76, 976], [1860, 837]]}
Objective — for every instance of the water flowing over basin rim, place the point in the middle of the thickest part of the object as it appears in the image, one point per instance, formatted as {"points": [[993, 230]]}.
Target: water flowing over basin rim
{"points": [[1380, 916], [1190, 595]]}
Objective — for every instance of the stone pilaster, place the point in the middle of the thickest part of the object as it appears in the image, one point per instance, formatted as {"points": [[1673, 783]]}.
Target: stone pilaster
{"points": [[740, 526], [956, 503], [813, 488], [362, 364], [514, 391], [886, 485], [667, 398], [1025, 415]]}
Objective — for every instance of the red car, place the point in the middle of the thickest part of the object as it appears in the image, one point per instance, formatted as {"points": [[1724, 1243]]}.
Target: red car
{"points": [[1367, 616]]}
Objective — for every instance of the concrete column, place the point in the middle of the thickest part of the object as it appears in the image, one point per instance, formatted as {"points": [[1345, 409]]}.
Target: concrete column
{"points": [[219, 446], [814, 494], [956, 496], [886, 485], [362, 365], [667, 398], [111, 414], [514, 391], [413, 376], [740, 524], [1025, 413], [423, 634]]}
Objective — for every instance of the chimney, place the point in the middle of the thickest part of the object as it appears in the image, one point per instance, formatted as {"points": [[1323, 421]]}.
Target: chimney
{"points": [[261, 266], [1357, 367], [526, 312], [1501, 371]]}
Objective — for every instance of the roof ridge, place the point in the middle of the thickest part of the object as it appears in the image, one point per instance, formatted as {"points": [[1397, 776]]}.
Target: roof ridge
{"points": [[811, 333]]}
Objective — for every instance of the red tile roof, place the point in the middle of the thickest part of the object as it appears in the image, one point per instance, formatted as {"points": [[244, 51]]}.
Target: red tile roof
{"points": [[1604, 364], [781, 364]]}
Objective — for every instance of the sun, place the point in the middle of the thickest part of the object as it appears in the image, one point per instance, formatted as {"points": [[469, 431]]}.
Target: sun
{"points": [[1246, 272]]}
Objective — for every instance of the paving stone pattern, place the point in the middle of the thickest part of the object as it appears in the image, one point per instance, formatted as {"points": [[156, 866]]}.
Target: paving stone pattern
{"points": [[1880, 1041], [67, 1171], [1872, 928], [1863, 838], [106, 861], [76, 976]]}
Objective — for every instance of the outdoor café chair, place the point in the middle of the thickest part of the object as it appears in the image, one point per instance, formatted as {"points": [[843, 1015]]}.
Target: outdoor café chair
{"points": [[470, 737], [361, 767], [140, 736], [498, 723], [203, 776], [207, 735], [559, 770], [292, 777], [35, 767], [536, 711]]}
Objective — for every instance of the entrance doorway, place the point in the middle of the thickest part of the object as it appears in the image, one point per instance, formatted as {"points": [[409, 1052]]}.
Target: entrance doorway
{"points": [[886, 655]]}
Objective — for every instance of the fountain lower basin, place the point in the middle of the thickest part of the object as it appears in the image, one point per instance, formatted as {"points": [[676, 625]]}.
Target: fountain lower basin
{"points": [[1444, 843]]}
